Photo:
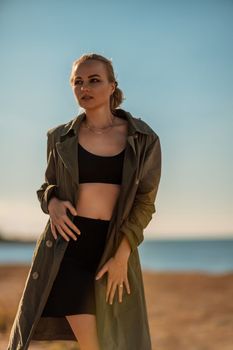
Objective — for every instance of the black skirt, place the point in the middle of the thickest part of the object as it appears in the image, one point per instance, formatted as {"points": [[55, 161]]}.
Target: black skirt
{"points": [[73, 288]]}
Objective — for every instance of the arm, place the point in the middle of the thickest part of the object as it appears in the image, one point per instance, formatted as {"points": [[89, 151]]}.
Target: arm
{"points": [[138, 218], [48, 188], [143, 207], [124, 249]]}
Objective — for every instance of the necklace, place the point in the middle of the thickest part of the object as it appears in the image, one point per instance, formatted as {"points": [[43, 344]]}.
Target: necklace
{"points": [[99, 130]]}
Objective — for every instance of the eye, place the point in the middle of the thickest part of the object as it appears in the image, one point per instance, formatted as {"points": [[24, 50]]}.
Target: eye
{"points": [[77, 82], [94, 80]]}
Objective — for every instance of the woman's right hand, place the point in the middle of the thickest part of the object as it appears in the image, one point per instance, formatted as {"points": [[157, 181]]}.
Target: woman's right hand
{"points": [[59, 219]]}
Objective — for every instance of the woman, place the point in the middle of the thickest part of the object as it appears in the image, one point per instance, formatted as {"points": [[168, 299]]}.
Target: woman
{"points": [[101, 182]]}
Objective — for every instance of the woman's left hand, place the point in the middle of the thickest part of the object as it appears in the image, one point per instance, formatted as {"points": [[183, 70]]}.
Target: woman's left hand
{"points": [[117, 277]]}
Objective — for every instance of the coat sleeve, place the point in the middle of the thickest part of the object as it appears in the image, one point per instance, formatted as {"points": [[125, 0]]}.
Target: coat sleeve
{"points": [[143, 207], [48, 188]]}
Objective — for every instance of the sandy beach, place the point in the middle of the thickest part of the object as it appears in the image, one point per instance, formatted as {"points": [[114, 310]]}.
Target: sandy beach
{"points": [[187, 311]]}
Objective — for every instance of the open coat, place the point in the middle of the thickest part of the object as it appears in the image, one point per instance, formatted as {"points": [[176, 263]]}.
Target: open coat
{"points": [[120, 326]]}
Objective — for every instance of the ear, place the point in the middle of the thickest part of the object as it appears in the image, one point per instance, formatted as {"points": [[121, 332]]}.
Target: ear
{"points": [[113, 87]]}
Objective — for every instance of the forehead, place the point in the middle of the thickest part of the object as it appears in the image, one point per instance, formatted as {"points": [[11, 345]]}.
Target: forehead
{"points": [[90, 67]]}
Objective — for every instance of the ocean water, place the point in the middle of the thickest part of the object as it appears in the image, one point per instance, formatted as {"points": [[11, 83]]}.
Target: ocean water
{"points": [[211, 256]]}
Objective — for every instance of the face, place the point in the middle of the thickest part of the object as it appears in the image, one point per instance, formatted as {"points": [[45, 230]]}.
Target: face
{"points": [[91, 86]]}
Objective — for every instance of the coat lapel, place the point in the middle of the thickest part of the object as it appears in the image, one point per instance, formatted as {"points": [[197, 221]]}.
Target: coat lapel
{"points": [[129, 165], [67, 148], [68, 152]]}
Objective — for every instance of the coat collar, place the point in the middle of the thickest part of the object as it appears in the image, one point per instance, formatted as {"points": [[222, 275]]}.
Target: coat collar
{"points": [[135, 124]]}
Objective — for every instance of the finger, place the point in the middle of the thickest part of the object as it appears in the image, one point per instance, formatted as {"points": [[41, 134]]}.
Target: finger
{"points": [[72, 225], [62, 233], [70, 207], [102, 272], [68, 231], [108, 289], [127, 285], [112, 292], [53, 230], [120, 292]]}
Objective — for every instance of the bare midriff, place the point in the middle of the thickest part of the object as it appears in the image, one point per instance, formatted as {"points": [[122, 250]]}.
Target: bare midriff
{"points": [[97, 200]]}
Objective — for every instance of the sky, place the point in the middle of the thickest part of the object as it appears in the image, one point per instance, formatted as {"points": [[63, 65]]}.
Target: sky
{"points": [[174, 62]]}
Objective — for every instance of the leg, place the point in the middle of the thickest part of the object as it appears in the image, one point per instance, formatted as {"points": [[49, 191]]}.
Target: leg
{"points": [[85, 331]]}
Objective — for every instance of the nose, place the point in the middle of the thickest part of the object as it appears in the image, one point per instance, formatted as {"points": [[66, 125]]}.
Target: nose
{"points": [[85, 87]]}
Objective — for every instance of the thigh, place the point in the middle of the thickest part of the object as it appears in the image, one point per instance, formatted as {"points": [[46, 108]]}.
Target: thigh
{"points": [[85, 330]]}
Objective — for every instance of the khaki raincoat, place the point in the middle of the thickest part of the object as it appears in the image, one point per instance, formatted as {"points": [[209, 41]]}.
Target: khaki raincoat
{"points": [[120, 326]]}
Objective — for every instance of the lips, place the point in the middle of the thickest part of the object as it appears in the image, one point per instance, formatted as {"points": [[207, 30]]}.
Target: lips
{"points": [[86, 97]]}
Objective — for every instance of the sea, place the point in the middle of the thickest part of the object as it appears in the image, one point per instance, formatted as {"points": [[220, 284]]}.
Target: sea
{"points": [[197, 255]]}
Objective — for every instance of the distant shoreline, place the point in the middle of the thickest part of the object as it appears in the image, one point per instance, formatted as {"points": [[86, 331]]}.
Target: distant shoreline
{"points": [[18, 241], [170, 240]]}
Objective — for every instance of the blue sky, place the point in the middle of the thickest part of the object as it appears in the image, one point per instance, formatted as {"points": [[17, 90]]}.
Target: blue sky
{"points": [[174, 62]]}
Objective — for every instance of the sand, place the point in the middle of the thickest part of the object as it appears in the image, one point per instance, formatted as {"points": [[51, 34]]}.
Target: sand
{"points": [[187, 311]]}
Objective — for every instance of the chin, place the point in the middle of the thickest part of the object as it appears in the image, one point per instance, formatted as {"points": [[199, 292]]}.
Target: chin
{"points": [[86, 104]]}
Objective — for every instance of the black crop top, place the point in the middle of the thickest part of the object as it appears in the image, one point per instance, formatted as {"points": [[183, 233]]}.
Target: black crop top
{"points": [[95, 168]]}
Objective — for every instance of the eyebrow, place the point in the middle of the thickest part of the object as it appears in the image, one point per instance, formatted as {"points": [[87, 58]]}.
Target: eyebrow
{"points": [[90, 76]]}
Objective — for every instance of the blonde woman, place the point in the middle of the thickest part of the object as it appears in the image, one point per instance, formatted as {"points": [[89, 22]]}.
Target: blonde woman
{"points": [[103, 172]]}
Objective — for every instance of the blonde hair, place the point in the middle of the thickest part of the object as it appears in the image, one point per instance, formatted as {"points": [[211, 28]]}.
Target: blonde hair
{"points": [[117, 97]]}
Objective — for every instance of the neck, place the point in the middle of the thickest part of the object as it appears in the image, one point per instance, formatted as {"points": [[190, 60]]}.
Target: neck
{"points": [[99, 118]]}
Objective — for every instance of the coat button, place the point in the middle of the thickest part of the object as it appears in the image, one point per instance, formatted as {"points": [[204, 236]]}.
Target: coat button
{"points": [[135, 136], [35, 275], [137, 181], [49, 243]]}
